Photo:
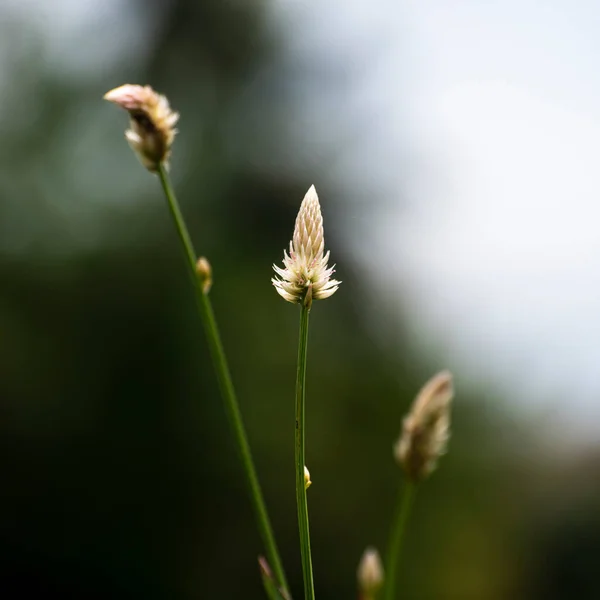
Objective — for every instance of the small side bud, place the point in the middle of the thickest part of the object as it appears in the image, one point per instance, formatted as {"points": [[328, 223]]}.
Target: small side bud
{"points": [[151, 120], [369, 574], [307, 481], [204, 273], [265, 569], [426, 428], [269, 580]]}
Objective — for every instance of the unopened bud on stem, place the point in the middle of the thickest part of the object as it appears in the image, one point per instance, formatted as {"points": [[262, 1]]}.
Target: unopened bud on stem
{"points": [[269, 580], [152, 123], [307, 481], [264, 567], [369, 574], [426, 428], [204, 273]]}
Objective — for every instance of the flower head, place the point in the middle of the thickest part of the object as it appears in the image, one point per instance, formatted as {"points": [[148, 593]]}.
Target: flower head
{"points": [[152, 122], [426, 428], [370, 573], [306, 275]]}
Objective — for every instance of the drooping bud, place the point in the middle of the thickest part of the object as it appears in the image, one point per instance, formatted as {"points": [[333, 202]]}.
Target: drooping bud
{"points": [[426, 428], [369, 574], [204, 273], [306, 275], [152, 123], [307, 481]]}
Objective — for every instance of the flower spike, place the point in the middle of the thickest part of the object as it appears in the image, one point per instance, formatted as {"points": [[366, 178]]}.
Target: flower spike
{"points": [[426, 428], [306, 275]]}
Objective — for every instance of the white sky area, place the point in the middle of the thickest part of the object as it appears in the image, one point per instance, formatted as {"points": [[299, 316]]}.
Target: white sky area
{"points": [[479, 143], [486, 128]]}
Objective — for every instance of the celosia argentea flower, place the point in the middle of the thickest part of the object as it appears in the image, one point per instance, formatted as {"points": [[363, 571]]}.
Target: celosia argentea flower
{"points": [[152, 123], [306, 275], [426, 428]]}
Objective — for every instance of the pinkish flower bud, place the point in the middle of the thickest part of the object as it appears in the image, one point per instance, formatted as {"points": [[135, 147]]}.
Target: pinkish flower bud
{"points": [[152, 123]]}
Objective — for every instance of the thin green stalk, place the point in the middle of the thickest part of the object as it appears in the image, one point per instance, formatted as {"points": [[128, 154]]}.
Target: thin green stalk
{"points": [[403, 508], [309, 592], [225, 384]]}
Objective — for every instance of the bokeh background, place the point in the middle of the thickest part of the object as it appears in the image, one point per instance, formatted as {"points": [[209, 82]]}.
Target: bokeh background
{"points": [[454, 145]]}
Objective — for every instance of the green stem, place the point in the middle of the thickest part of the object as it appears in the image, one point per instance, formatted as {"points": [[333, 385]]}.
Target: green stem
{"points": [[225, 385], [309, 592], [403, 508]]}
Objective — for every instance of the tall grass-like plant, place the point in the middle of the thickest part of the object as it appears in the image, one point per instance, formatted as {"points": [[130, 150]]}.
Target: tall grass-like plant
{"points": [[151, 135], [305, 277], [424, 438]]}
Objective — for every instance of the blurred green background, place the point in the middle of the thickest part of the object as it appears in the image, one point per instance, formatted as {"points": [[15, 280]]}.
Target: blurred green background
{"points": [[119, 475]]}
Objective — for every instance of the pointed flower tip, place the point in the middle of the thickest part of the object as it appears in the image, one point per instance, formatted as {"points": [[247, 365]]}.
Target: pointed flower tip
{"points": [[152, 122], [110, 95], [311, 195], [115, 93], [305, 275], [426, 428]]}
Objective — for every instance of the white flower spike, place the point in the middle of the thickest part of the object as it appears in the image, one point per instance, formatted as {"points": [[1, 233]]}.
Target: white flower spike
{"points": [[426, 428], [306, 275]]}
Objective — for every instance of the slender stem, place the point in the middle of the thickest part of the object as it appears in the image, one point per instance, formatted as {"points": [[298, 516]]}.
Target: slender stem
{"points": [[180, 225], [226, 386], [309, 592], [403, 508]]}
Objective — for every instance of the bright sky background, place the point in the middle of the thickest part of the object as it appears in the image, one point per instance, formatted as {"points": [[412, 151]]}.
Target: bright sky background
{"points": [[477, 134], [486, 129]]}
